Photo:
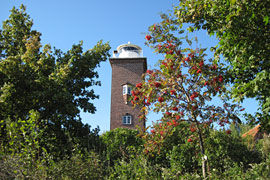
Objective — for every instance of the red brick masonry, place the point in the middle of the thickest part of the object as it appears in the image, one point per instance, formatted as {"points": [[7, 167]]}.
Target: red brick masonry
{"points": [[125, 71]]}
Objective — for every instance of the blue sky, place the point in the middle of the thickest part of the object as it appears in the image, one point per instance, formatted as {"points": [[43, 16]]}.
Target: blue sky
{"points": [[66, 22]]}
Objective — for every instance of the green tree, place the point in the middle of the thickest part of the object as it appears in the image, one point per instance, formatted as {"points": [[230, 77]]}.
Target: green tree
{"points": [[56, 84], [243, 30]]}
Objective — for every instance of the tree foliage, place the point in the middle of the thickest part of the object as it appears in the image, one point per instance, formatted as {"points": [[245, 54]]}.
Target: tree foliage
{"points": [[184, 88], [56, 84], [243, 30]]}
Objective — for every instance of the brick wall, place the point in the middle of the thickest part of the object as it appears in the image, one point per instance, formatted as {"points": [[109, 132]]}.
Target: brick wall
{"points": [[125, 71]]}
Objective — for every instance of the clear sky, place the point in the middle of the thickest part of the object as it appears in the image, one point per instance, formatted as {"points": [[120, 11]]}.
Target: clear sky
{"points": [[66, 22]]}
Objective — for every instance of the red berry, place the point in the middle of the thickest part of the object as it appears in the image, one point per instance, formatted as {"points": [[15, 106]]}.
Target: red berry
{"points": [[152, 131], [170, 52], [201, 64], [191, 55], [175, 108], [214, 67], [187, 59], [149, 71], [134, 93], [192, 129], [195, 94], [177, 117], [148, 37], [161, 133], [169, 123], [173, 92], [220, 78], [194, 108], [147, 103], [168, 113], [160, 99], [157, 84], [136, 98], [139, 85], [189, 140], [199, 71], [164, 63]]}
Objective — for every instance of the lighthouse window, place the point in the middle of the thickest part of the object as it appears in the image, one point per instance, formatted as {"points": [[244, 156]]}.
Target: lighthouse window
{"points": [[126, 89], [126, 119], [128, 48], [129, 90]]}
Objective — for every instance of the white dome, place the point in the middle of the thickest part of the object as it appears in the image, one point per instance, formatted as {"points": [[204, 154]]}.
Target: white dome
{"points": [[129, 50]]}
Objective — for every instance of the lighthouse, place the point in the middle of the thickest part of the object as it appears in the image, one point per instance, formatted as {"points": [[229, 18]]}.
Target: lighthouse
{"points": [[128, 65]]}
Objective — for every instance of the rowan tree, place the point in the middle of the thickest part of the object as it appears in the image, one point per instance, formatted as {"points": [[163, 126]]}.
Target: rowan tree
{"points": [[184, 89]]}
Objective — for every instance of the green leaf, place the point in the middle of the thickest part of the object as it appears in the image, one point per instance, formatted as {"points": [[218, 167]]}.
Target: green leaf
{"points": [[266, 20], [232, 2]]}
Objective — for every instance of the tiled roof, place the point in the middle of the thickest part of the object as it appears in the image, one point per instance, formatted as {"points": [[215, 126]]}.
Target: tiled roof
{"points": [[252, 132]]}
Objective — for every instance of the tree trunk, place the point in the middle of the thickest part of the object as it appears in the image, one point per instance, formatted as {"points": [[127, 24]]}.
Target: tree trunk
{"points": [[204, 158]]}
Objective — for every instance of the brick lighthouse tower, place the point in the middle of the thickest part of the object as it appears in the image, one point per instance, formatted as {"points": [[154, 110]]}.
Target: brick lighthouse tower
{"points": [[128, 65]]}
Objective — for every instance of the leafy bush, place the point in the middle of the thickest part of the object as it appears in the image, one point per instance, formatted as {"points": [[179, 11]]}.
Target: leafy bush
{"points": [[223, 150], [259, 171], [136, 168], [79, 166], [184, 159], [263, 146], [22, 157], [62, 142], [120, 143]]}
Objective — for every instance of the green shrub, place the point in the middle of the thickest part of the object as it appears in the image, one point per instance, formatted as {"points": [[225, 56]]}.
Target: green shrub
{"points": [[184, 158], [259, 171], [120, 143], [170, 174], [136, 168], [79, 166], [263, 146], [22, 157], [223, 150]]}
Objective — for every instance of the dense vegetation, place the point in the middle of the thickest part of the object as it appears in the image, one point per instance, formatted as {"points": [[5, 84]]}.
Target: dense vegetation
{"points": [[43, 89], [120, 154]]}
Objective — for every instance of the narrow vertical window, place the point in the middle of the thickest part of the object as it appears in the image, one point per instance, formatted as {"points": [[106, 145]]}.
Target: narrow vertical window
{"points": [[124, 89], [127, 89], [124, 120]]}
